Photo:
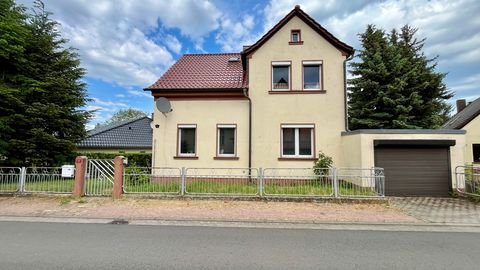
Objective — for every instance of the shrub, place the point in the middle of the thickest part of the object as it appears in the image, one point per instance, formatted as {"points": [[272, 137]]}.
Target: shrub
{"points": [[136, 176], [322, 163]]}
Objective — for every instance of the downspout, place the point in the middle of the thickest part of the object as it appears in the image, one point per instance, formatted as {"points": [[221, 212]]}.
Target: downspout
{"points": [[345, 105], [245, 93]]}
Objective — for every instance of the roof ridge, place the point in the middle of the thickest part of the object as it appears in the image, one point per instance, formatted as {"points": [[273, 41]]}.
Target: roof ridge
{"points": [[111, 126]]}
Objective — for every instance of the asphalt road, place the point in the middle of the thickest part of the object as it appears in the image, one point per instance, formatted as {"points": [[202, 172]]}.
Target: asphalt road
{"points": [[30, 245]]}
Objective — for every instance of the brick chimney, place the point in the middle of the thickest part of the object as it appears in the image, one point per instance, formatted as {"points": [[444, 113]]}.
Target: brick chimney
{"points": [[461, 104]]}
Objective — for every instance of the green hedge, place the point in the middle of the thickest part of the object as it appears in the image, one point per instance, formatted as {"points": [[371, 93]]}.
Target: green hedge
{"points": [[134, 159]]}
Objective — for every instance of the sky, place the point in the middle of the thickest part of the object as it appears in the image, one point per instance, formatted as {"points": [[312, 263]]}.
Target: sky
{"points": [[127, 45]]}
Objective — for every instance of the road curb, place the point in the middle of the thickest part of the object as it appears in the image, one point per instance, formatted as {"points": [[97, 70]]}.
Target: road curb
{"points": [[270, 224]]}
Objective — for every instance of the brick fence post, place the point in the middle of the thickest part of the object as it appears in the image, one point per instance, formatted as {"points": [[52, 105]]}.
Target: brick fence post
{"points": [[80, 172], [118, 177]]}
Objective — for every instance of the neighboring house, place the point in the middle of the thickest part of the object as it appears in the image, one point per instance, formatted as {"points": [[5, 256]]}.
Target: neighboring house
{"points": [[278, 103], [132, 135], [468, 118]]}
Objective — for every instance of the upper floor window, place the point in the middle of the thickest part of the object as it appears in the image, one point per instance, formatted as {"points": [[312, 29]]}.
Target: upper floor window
{"points": [[280, 75], [312, 75], [295, 37]]}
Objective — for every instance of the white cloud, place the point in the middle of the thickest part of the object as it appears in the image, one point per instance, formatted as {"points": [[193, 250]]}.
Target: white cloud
{"points": [[234, 34], [112, 40], [139, 93]]}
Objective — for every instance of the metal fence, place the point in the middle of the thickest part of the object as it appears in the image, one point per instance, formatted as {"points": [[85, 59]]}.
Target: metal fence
{"points": [[298, 182], [234, 182], [222, 181], [144, 180], [256, 182], [47, 180], [468, 180], [360, 182], [10, 179], [35, 180]]}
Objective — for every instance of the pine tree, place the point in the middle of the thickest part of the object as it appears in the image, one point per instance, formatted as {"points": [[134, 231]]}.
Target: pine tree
{"points": [[394, 84], [48, 121], [14, 35]]}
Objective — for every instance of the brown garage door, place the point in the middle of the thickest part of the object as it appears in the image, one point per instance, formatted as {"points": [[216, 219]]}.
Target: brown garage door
{"points": [[414, 170]]}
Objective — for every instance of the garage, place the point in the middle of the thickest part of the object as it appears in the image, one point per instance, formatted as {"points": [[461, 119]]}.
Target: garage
{"points": [[415, 167]]}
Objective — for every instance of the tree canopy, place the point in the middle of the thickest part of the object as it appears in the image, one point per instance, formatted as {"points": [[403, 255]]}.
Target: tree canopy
{"points": [[122, 115], [41, 91], [394, 84]]}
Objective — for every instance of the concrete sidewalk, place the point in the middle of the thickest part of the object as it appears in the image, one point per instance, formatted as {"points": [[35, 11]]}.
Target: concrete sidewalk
{"points": [[203, 210]]}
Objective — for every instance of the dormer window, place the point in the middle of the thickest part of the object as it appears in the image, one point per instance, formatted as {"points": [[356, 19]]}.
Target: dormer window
{"points": [[295, 37]]}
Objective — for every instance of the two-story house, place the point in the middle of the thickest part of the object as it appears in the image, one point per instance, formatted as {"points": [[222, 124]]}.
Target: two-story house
{"points": [[277, 104]]}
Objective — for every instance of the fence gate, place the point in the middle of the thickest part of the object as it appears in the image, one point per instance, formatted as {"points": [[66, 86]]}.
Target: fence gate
{"points": [[99, 177]]}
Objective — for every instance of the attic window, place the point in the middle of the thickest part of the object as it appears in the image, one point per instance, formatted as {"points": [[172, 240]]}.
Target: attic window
{"points": [[295, 37]]}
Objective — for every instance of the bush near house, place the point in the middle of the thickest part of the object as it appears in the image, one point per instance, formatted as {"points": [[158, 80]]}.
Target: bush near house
{"points": [[321, 164]]}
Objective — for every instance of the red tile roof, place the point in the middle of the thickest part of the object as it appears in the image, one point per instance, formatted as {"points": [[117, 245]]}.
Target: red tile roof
{"points": [[204, 71]]}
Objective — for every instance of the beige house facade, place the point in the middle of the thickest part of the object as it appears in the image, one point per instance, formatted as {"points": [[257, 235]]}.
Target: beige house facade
{"points": [[277, 104]]}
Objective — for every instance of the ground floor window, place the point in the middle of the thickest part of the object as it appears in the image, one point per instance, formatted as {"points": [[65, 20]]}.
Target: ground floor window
{"points": [[226, 140], [187, 140], [297, 141], [476, 152]]}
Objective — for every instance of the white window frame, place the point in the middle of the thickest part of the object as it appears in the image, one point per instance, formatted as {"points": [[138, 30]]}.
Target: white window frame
{"points": [[295, 33], [320, 77], [220, 126], [281, 63], [297, 141], [179, 150]]}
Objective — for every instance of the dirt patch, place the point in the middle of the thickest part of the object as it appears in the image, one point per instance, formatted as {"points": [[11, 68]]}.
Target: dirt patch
{"points": [[176, 209]]}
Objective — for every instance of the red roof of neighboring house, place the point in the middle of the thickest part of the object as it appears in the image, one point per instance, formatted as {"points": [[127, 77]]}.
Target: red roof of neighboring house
{"points": [[204, 71]]}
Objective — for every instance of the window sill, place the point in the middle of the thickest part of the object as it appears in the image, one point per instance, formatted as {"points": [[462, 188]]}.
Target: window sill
{"points": [[273, 92], [296, 159], [295, 43], [185, 157], [226, 158]]}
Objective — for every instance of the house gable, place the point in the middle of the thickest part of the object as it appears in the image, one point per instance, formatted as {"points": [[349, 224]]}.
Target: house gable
{"points": [[299, 13]]}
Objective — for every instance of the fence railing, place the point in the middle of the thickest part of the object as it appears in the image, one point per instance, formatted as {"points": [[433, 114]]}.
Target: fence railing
{"points": [[47, 180], [468, 180], [360, 182], [222, 181], [10, 179], [35, 180], [256, 182], [234, 182], [152, 180], [301, 182]]}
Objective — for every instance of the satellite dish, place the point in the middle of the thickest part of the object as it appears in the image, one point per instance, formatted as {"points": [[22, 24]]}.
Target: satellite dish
{"points": [[152, 125], [163, 105]]}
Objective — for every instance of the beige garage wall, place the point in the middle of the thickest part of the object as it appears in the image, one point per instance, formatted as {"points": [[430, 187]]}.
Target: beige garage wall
{"points": [[325, 111], [472, 137], [363, 145], [206, 114]]}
